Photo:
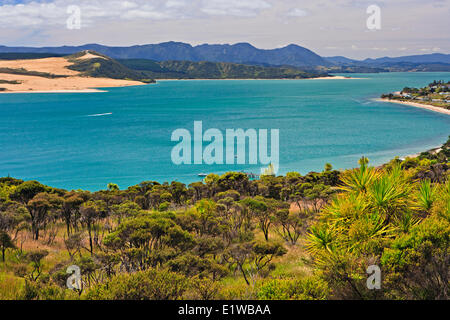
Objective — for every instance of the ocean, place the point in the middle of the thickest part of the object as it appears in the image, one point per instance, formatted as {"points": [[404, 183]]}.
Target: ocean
{"points": [[87, 140]]}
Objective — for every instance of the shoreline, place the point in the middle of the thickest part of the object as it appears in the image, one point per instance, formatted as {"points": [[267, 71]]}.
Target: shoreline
{"points": [[36, 79], [100, 89], [198, 179], [97, 89], [416, 155], [416, 105], [278, 79], [56, 91]]}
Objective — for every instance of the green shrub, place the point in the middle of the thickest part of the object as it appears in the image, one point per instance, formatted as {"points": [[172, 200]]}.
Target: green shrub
{"points": [[293, 289], [145, 285], [45, 291]]}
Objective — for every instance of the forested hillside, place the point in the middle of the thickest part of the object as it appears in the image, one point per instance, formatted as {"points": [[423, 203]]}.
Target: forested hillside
{"points": [[102, 66], [214, 70], [242, 53]]}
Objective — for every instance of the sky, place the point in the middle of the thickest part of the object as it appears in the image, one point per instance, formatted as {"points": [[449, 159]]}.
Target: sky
{"points": [[328, 27]]}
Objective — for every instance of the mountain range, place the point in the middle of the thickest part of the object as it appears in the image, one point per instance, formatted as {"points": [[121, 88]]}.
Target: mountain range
{"points": [[244, 53], [425, 58]]}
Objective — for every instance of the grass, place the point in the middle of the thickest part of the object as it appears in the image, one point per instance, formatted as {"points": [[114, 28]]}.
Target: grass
{"points": [[10, 286], [292, 264]]}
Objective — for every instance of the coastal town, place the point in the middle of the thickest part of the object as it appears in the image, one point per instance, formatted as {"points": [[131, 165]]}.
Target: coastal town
{"points": [[436, 94]]}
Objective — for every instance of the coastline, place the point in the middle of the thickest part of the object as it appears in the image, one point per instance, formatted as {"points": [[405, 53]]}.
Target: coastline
{"points": [[318, 78], [56, 91], [96, 83], [335, 78], [86, 85], [416, 105], [432, 151], [52, 75]]}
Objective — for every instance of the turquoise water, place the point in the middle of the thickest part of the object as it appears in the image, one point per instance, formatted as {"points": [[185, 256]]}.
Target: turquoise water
{"points": [[53, 139]]}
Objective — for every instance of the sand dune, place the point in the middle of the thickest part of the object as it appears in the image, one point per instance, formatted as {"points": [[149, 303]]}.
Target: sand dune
{"points": [[56, 66], [31, 83]]}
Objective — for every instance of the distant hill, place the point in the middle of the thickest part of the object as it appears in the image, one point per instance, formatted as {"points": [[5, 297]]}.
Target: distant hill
{"points": [[415, 63], [435, 58], [101, 66], [421, 59], [242, 53], [340, 60], [213, 70]]}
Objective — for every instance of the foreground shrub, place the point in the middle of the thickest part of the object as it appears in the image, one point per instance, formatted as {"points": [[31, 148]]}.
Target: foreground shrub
{"points": [[45, 291], [418, 264], [145, 285], [293, 289]]}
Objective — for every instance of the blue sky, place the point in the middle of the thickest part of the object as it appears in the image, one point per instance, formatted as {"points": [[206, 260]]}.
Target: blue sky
{"points": [[327, 27]]}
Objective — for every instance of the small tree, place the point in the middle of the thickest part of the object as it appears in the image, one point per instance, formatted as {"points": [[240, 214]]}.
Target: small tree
{"points": [[113, 187], [90, 213], [39, 208], [35, 257], [291, 225], [27, 191], [262, 213], [5, 243], [328, 167], [251, 258]]}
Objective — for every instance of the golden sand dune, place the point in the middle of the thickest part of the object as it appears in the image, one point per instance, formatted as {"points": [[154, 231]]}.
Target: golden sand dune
{"points": [[74, 83], [55, 66]]}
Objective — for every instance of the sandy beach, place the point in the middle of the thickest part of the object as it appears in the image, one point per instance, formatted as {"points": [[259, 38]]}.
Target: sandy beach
{"points": [[335, 78], [71, 82], [56, 91], [417, 105], [319, 78]]}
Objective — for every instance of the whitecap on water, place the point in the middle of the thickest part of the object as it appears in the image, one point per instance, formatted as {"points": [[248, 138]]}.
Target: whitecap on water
{"points": [[100, 114]]}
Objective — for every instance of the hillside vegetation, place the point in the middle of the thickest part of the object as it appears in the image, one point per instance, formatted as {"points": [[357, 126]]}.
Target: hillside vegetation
{"points": [[242, 53], [101, 66], [292, 55], [214, 70], [286, 237]]}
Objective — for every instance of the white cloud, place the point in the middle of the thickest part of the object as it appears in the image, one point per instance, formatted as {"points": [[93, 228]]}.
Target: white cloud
{"points": [[245, 8], [329, 25], [176, 4], [297, 13], [54, 12]]}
